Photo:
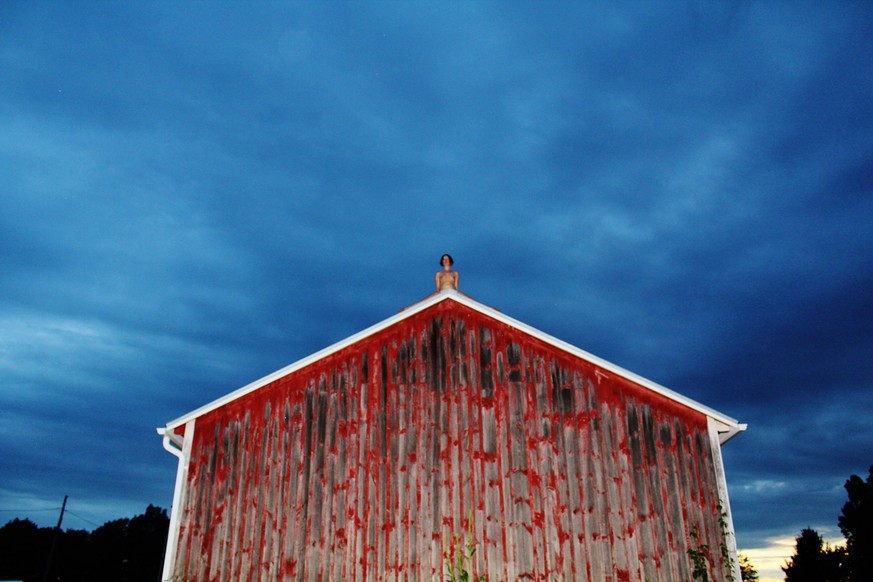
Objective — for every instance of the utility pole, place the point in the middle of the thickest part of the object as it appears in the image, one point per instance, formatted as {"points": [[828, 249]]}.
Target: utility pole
{"points": [[48, 564]]}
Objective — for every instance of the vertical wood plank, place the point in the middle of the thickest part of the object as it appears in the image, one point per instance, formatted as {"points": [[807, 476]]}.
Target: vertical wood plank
{"points": [[361, 466]]}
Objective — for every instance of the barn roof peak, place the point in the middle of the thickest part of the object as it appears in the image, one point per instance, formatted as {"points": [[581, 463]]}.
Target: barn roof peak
{"points": [[729, 427]]}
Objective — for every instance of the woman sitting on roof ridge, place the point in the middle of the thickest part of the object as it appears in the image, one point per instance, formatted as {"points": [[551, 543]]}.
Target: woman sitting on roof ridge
{"points": [[447, 279]]}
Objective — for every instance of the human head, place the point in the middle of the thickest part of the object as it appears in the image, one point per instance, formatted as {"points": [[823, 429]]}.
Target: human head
{"points": [[451, 260]]}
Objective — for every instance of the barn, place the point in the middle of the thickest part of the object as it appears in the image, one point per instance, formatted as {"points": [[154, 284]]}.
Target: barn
{"points": [[450, 435]]}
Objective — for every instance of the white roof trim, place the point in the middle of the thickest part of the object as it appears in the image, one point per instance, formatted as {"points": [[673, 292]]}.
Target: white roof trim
{"points": [[732, 426], [727, 432]]}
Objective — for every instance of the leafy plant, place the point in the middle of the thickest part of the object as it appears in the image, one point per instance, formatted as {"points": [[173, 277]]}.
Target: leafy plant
{"points": [[726, 555], [459, 569], [699, 554], [747, 569]]}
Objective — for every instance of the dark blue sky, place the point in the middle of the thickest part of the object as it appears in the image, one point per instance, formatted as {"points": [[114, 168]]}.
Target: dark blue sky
{"points": [[193, 195]]}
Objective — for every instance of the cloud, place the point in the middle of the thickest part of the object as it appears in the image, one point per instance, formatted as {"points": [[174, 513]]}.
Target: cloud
{"points": [[193, 199]]}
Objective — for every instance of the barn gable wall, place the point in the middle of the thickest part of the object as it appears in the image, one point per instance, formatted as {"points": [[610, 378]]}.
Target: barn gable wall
{"points": [[367, 464]]}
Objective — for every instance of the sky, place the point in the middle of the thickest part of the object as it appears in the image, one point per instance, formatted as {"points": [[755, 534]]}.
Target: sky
{"points": [[194, 195]]}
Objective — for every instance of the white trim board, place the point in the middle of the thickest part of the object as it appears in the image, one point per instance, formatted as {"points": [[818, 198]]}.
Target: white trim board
{"points": [[729, 426]]}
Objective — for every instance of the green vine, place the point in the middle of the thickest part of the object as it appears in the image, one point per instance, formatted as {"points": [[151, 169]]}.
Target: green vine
{"points": [[459, 570], [726, 554], [700, 554]]}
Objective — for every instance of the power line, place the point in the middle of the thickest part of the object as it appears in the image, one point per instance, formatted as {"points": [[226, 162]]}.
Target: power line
{"points": [[28, 510], [83, 519]]}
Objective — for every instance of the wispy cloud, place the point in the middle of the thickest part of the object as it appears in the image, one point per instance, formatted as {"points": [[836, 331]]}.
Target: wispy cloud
{"points": [[195, 198]]}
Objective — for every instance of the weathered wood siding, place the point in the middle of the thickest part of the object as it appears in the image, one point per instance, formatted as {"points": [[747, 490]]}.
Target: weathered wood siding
{"points": [[365, 466]]}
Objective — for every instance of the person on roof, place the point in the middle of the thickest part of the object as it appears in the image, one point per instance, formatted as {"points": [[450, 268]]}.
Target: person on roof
{"points": [[447, 279]]}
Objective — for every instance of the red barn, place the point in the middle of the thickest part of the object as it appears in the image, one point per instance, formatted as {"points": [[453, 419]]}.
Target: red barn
{"points": [[450, 429]]}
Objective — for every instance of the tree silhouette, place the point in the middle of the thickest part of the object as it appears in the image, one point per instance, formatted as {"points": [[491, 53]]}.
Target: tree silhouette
{"points": [[123, 550], [23, 550], [856, 523], [747, 570], [813, 561]]}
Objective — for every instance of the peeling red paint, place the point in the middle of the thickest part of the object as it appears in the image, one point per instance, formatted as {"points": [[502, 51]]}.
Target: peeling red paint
{"points": [[365, 464]]}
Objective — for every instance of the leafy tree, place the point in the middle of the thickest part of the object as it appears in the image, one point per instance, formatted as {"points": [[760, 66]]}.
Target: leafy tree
{"points": [[747, 570], [147, 540], [23, 548], [130, 549], [73, 556], [856, 523], [813, 561], [123, 550]]}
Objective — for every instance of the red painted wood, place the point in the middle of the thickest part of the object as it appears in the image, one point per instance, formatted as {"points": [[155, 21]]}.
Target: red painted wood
{"points": [[367, 464]]}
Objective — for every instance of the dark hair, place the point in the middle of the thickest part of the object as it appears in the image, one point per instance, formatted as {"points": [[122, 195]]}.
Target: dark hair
{"points": [[451, 260]]}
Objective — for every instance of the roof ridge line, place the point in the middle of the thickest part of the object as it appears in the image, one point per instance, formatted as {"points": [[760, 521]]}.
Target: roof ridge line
{"points": [[466, 300]]}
